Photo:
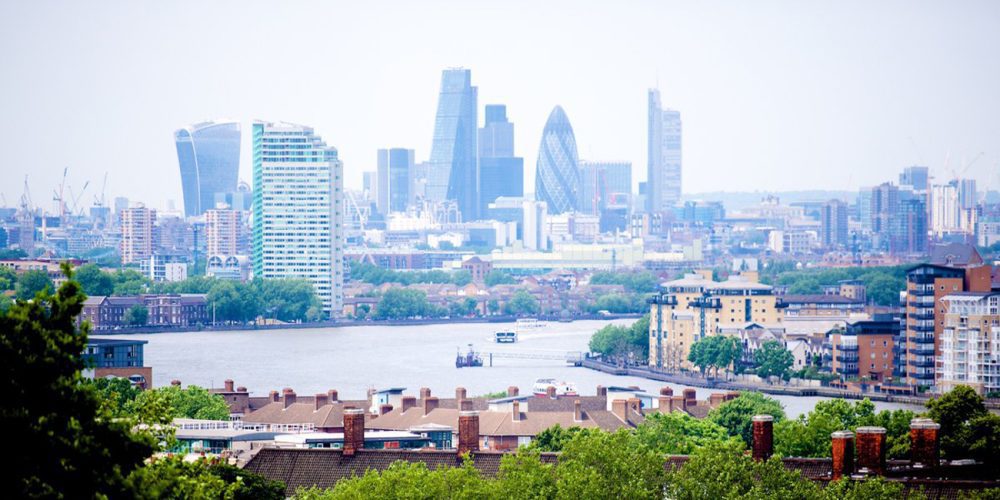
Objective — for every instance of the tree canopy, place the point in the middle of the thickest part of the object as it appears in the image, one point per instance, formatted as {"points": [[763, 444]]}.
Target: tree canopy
{"points": [[968, 430], [622, 341], [522, 304], [809, 434], [735, 415], [773, 359], [715, 351]]}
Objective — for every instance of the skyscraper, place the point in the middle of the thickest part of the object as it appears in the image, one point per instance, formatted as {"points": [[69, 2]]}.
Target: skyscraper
{"points": [[946, 208], [833, 224], [915, 178], [209, 157], [453, 171], [664, 174], [298, 210], [137, 233], [604, 183], [557, 174], [224, 232], [395, 172], [500, 172], [884, 208]]}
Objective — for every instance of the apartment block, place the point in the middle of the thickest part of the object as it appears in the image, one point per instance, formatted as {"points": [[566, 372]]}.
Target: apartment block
{"points": [[970, 342]]}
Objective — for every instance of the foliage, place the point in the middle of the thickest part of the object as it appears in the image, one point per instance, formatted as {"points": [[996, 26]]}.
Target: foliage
{"points": [[735, 415], [883, 284], [607, 465], [968, 430], [555, 438], [522, 304], [12, 253], [8, 279], [872, 488], [94, 281], [635, 282], [369, 273], [618, 304], [499, 277], [173, 478], [678, 433], [65, 441], [772, 359], [401, 303], [192, 402], [716, 351], [522, 475], [249, 486], [809, 435], [31, 283], [115, 394], [463, 308], [137, 315], [412, 480], [617, 340]]}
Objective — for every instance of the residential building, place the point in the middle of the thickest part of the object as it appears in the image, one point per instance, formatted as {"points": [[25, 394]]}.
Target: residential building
{"points": [[604, 184], [863, 351], [453, 173], [164, 267], [946, 209], [298, 209], [791, 242], [174, 310], [478, 268], [395, 171], [557, 173], [821, 305], [833, 220], [137, 233], [663, 178], [209, 158], [225, 232], [970, 342], [501, 174], [116, 357]]}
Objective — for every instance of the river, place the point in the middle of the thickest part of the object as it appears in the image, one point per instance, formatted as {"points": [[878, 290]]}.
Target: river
{"points": [[351, 359]]}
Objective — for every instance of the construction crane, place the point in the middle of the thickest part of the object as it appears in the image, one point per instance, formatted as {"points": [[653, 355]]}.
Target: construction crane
{"points": [[99, 202], [26, 197], [966, 168], [76, 199]]}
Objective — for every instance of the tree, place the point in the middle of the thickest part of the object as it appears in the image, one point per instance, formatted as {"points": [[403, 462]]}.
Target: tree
{"points": [[555, 438], [493, 306], [617, 340], [954, 411], [413, 480], [402, 303], [522, 303], [608, 465], [66, 442], [735, 415], [192, 402], [8, 279], [137, 315], [498, 277], [172, 477], [678, 433], [716, 351], [772, 359], [461, 277], [32, 282], [115, 394], [229, 301], [94, 281], [249, 486]]}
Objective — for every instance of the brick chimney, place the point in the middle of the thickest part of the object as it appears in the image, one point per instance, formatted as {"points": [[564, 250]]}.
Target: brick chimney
{"points": [[468, 432], [425, 392], [842, 443], [430, 404], [678, 403], [666, 391], [602, 391], [513, 391], [690, 398], [460, 393], [228, 384], [354, 430], [321, 401], [408, 402], [288, 398], [241, 389], [870, 443], [924, 442], [550, 391], [384, 408], [731, 395], [332, 395], [763, 436], [715, 399], [175, 383], [664, 403], [620, 408], [515, 411], [577, 411], [465, 405], [273, 395]]}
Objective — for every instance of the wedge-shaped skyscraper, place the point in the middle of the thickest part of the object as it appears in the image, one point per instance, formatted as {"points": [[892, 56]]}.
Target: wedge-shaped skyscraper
{"points": [[557, 174], [209, 157]]}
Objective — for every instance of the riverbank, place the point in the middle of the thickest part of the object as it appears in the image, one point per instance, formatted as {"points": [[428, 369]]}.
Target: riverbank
{"points": [[353, 323]]}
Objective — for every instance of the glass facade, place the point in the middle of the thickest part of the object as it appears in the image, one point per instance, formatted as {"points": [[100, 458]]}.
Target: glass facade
{"points": [[664, 175], [453, 172], [395, 176], [501, 174], [604, 184], [557, 174], [209, 158]]}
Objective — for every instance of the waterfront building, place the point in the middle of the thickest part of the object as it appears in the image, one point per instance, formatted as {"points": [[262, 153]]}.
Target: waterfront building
{"points": [[119, 358], [833, 220], [395, 171], [209, 158], [557, 173], [970, 342], [604, 184], [172, 310], [453, 170], [864, 350], [664, 168], [298, 209], [137, 233], [501, 174]]}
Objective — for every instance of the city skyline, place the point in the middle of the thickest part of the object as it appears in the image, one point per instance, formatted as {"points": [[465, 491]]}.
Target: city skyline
{"points": [[850, 118]]}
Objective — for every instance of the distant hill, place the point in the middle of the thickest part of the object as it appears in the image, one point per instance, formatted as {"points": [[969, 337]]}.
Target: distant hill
{"points": [[737, 200]]}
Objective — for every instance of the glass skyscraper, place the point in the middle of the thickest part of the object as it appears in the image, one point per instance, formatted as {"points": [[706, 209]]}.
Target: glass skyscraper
{"points": [[209, 157], [453, 172], [298, 204], [395, 175], [500, 172], [557, 174], [664, 175], [603, 184]]}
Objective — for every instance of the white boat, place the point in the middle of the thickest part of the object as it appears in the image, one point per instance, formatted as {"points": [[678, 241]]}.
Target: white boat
{"points": [[505, 337], [541, 387], [528, 324]]}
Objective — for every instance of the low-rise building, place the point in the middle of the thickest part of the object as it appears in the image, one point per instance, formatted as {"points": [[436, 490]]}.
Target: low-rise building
{"points": [[121, 358], [171, 310]]}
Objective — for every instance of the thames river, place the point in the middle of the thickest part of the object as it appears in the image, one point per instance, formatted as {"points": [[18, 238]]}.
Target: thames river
{"points": [[354, 358]]}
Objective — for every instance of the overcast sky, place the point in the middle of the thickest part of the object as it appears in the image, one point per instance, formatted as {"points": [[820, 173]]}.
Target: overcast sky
{"points": [[773, 95]]}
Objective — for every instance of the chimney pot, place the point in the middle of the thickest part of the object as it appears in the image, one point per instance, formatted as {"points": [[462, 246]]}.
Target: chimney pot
{"points": [[274, 396], [332, 395], [430, 404], [690, 397], [842, 444], [465, 405], [354, 430], [175, 383], [870, 444], [924, 442], [425, 392], [241, 389], [289, 399], [602, 391], [468, 432], [460, 393], [763, 436], [577, 411], [666, 391], [408, 402], [515, 411], [512, 391], [321, 401], [715, 399], [731, 395], [228, 385]]}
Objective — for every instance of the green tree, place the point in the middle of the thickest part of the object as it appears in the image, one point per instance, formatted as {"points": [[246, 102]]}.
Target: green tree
{"points": [[8, 279], [956, 411], [523, 475], [32, 282], [402, 303], [191, 402], [137, 315], [772, 359], [618, 340], [94, 281], [461, 277], [735, 415], [871, 488], [115, 394], [608, 465], [493, 306], [411, 480], [499, 277], [66, 442], [716, 351], [521, 304], [555, 437], [173, 478], [249, 486], [678, 433]]}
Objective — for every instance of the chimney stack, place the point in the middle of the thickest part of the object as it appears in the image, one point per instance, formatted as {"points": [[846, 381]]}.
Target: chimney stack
{"points": [[288, 398], [577, 411], [241, 389], [228, 384], [332, 395], [425, 392], [690, 398], [515, 411], [602, 391], [924, 442], [175, 383], [620, 408], [513, 391], [430, 404], [666, 391], [664, 402], [842, 443], [354, 430], [715, 399], [870, 442], [384, 408], [465, 405], [274, 396], [678, 403], [763, 436], [550, 391], [408, 402], [460, 393], [468, 432], [731, 395], [321, 401]]}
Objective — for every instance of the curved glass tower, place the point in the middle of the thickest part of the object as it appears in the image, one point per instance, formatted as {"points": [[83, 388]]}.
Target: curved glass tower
{"points": [[557, 176], [209, 157], [453, 174]]}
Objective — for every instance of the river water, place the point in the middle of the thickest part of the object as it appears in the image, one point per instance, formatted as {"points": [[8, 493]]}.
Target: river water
{"points": [[351, 359]]}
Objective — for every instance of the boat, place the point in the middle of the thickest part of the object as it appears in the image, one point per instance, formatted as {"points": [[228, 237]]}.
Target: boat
{"points": [[469, 359], [505, 337], [527, 324], [541, 387]]}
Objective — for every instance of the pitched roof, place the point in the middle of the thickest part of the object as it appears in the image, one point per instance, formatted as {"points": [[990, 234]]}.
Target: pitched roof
{"points": [[955, 254]]}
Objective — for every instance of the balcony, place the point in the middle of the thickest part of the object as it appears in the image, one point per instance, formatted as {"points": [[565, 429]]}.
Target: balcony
{"points": [[922, 376], [921, 328], [847, 358], [848, 370], [922, 314], [923, 350], [922, 339], [848, 347], [927, 363]]}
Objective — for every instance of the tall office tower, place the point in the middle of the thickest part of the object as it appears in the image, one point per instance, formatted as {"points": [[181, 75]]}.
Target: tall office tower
{"points": [[604, 183], [453, 171], [395, 171], [137, 233], [298, 210], [500, 172], [120, 203], [967, 197], [915, 178], [557, 174], [911, 227], [209, 157], [664, 174], [223, 231], [534, 230], [946, 209], [884, 208], [369, 185], [864, 208], [833, 224]]}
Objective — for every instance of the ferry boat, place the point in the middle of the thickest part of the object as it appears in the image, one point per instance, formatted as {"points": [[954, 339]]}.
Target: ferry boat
{"points": [[528, 324], [541, 387], [505, 337], [469, 359]]}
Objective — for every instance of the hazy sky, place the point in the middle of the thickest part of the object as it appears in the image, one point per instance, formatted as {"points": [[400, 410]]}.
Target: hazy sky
{"points": [[774, 95]]}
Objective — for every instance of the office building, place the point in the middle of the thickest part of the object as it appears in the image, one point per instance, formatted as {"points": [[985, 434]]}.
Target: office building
{"points": [[970, 343], [967, 196], [501, 174], [664, 168], [137, 233], [915, 179], [604, 184], [557, 173], [298, 210], [395, 171], [225, 232], [534, 230], [369, 185], [209, 158], [833, 224], [946, 209], [453, 172]]}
